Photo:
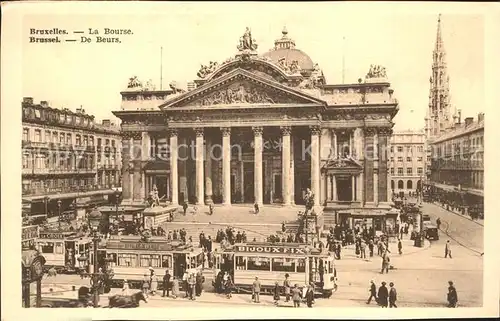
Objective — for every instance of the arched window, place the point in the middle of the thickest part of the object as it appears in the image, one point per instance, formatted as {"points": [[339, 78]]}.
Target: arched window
{"points": [[409, 184], [401, 185], [392, 184]]}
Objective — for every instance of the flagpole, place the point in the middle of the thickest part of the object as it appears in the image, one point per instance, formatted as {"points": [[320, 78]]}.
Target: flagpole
{"points": [[161, 68], [343, 60]]}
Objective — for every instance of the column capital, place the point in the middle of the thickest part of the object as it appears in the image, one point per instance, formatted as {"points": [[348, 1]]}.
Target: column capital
{"points": [[258, 130], [199, 131], [385, 131], [135, 135], [286, 130], [371, 131], [173, 132], [226, 131], [315, 130]]}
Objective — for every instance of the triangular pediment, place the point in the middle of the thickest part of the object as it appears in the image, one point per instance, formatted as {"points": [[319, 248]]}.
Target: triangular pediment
{"points": [[239, 88], [342, 163]]}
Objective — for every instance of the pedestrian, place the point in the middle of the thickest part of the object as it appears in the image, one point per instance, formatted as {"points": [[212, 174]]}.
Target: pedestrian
{"points": [[276, 293], [400, 247], [200, 279], [393, 296], [256, 290], [296, 296], [287, 285], [195, 210], [145, 284], [452, 295], [166, 283], [175, 288], [192, 286], [228, 286], [309, 296], [373, 292], [385, 263], [447, 250], [363, 249], [185, 283], [185, 207], [370, 247], [126, 287], [438, 223], [256, 208], [154, 283], [382, 295]]}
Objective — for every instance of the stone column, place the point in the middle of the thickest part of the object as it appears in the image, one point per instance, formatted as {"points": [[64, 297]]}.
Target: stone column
{"points": [[361, 189], [242, 183], [174, 154], [200, 183], [258, 186], [285, 158], [353, 188], [208, 171], [387, 161], [351, 143], [334, 188], [292, 171], [375, 168], [335, 151], [315, 163], [226, 166], [146, 146], [329, 187]]}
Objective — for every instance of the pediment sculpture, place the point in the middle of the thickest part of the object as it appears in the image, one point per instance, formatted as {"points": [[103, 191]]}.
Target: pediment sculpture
{"points": [[376, 71], [206, 70], [134, 82]]}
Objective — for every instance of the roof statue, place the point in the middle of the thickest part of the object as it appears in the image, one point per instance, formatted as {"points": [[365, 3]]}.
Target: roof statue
{"points": [[148, 86], [376, 71], [206, 70], [247, 42], [134, 82]]}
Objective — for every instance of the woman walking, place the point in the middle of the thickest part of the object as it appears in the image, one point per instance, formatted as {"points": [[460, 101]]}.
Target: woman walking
{"points": [[175, 287], [309, 296], [154, 283], [145, 285], [276, 292], [125, 288]]}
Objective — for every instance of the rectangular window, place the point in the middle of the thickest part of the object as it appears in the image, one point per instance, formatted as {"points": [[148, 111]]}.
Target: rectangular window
{"points": [[38, 135], [420, 159], [78, 141], [85, 140], [400, 159], [392, 149], [301, 265], [408, 149], [392, 159], [107, 142], [166, 261], [59, 248], [409, 171], [420, 149], [91, 140], [99, 141], [26, 135], [283, 264], [420, 170], [61, 138], [400, 149], [47, 136], [259, 263], [400, 171], [127, 260], [392, 171], [152, 260], [54, 137], [68, 139], [408, 159], [47, 247]]}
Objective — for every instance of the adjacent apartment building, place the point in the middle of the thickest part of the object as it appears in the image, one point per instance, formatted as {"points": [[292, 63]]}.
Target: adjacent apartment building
{"points": [[407, 161], [68, 160]]}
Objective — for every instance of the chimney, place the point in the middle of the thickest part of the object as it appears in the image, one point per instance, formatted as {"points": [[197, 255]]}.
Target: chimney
{"points": [[459, 116], [28, 100], [106, 122], [191, 85], [468, 121], [480, 117]]}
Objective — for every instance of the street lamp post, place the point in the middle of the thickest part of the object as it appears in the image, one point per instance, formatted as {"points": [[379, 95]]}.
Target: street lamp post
{"points": [[94, 223], [59, 217]]}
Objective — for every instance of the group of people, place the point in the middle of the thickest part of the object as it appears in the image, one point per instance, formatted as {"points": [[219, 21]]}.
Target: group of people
{"points": [[383, 297], [230, 236]]}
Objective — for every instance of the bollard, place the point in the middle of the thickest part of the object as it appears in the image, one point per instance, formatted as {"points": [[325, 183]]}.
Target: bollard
{"points": [[73, 287]]}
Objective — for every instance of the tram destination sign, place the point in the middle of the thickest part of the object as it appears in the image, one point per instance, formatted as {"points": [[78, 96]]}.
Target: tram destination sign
{"points": [[140, 246], [56, 235], [270, 249]]}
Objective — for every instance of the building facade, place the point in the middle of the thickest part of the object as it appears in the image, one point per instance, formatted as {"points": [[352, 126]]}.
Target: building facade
{"points": [[67, 156], [261, 129], [407, 162]]}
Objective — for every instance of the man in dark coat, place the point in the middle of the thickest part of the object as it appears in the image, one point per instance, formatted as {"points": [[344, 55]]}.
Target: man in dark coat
{"points": [[383, 295], [166, 283], [373, 292], [185, 207], [452, 295], [393, 296]]}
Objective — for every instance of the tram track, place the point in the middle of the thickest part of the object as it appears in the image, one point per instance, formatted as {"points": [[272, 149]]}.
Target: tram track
{"points": [[446, 231]]}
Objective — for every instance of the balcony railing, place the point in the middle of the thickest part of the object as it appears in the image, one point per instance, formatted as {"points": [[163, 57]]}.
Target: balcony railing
{"points": [[65, 189], [31, 144]]}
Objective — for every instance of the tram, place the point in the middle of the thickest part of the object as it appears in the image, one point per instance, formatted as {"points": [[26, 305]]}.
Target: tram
{"points": [[62, 249], [271, 261], [132, 256]]}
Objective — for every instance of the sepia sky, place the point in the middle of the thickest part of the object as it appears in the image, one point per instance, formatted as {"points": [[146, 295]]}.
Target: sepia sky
{"points": [[92, 75]]}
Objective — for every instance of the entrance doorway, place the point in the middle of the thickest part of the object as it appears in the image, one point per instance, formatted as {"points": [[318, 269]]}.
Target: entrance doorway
{"points": [[301, 184], [344, 188], [161, 184], [179, 265], [248, 182]]}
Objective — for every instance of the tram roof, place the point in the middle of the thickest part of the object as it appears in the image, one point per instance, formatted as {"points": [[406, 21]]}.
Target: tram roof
{"points": [[134, 242], [275, 248], [60, 235]]}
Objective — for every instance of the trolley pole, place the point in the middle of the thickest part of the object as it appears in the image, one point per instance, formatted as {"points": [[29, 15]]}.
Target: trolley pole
{"points": [[96, 276]]}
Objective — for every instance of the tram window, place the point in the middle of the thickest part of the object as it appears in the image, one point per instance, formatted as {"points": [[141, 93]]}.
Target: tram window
{"points": [[301, 266], [113, 259], [259, 263], [127, 259], [199, 259], [241, 263], [166, 261], [283, 264], [59, 248], [152, 260], [47, 247]]}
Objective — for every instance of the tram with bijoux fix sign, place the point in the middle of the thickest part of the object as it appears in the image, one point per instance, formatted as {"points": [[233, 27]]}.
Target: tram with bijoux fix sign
{"points": [[133, 256], [270, 262], [62, 249]]}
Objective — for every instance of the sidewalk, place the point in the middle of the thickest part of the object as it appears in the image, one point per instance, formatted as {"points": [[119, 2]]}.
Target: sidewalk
{"points": [[467, 217]]}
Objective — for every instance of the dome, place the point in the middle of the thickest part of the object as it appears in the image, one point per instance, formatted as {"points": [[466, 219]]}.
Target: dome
{"points": [[285, 48]]}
